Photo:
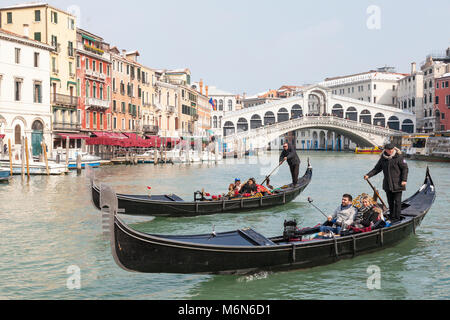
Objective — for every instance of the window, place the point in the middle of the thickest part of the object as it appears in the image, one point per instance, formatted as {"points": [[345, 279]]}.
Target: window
{"points": [[123, 124], [9, 18], [87, 64], [37, 92], [101, 67], [78, 62], [36, 59], [17, 55], [54, 41], [94, 65], [114, 123], [37, 15], [87, 88], [37, 36], [17, 89], [94, 122], [94, 90], [114, 105], [70, 48], [123, 107], [88, 120], [54, 17], [70, 23]]}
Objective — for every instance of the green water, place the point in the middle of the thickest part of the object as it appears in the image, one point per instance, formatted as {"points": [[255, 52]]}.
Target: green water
{"points": [[49, 224]]}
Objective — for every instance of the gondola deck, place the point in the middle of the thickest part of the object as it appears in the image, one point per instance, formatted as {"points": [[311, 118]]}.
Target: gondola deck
{"points": [[244, 251]]}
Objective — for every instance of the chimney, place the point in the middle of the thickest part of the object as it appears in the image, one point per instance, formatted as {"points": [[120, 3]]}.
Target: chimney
{"points": [[206, 90], [413, 68], [201, 86], [26, 30], [124, 53]]}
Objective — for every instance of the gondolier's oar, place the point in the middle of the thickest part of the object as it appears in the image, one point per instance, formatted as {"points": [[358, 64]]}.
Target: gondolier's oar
{"points": [[377, 193], [268, 177]]}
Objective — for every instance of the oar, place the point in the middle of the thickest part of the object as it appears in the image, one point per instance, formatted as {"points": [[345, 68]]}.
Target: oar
{"points": [[311, 202], [376, 192], [267, 178]]}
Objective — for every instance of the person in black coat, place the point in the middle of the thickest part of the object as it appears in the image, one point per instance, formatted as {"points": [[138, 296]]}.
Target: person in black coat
{"points": [[395, 172], [290, 155]]}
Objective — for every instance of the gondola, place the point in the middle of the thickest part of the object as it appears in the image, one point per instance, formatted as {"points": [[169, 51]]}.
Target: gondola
{"points": [[247, 251], [172, 205]]}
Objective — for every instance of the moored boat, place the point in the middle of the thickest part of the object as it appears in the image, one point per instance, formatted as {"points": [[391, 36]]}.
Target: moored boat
{"points": [[5, 174], [374, 150], [245, 250]]}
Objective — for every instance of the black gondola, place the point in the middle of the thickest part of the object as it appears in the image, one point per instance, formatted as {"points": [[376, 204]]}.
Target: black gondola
{"points": [[245, 251], [172, 205]]}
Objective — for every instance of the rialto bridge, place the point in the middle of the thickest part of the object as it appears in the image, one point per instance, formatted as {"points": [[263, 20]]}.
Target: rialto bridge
{"points": [[366, 124]]}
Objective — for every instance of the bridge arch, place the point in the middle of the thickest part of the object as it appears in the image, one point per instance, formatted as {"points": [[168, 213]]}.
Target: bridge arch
{"points": [[379, 120], [408, 126], [283, 115], [365, 117], [228, 129], [296, 111], [269, 118], [242, 125], [351, 114], [337, 111], [394, 123], [255, 121]]}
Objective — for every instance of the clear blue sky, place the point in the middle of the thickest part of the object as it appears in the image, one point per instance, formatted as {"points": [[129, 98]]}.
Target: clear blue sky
{"points": [[251, 46]]}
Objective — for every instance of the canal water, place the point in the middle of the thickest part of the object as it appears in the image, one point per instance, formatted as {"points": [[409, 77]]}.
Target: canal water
{"points": [[50, 230]]}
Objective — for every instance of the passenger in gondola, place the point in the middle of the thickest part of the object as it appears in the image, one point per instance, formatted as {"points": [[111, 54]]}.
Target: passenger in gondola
{"points": [[263, 190], [367, 215], [249, 188], [237, 184], [342, 217]]}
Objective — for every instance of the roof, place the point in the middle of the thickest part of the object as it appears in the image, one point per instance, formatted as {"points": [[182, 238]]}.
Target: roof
{"points": [[26, 39], [33, 5]]}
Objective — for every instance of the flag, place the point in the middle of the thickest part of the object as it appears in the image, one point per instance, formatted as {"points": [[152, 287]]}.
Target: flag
{"points": [[211, 102]]}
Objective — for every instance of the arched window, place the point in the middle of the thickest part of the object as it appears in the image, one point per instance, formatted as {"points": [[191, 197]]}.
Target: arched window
{"points": [[296, 111], [17, 134], [269, 118], [394, 123], [228, 128], [220, 105], [351, 114], [255, 122], [283, 115], [408, 126], [215, 122], [338, 111], [230, 105], [365, 117], [242, 125]]}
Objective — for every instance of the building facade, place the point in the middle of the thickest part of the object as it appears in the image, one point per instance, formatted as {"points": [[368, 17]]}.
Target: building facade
{"points": [[94, 74], [24, 93], [434, 67], [410, 92], [442, 101], [224, 102], [57, 28], [126, 100], [378, 86]]}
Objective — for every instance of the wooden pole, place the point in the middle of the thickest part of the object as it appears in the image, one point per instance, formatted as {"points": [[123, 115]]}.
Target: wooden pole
{"points": [[44, 148], [79, 164], [27, 154], [22, 156], [10, 156], [67, 152]]}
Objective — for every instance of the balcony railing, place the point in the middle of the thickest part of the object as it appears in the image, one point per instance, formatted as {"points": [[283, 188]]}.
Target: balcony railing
{"points": [[171, 109], [64, 100], [150, 129], [66, 126], [97, 103], [92, 73]]}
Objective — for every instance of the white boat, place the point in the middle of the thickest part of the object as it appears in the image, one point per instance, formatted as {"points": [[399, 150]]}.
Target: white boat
{"points": [[36, 168]]}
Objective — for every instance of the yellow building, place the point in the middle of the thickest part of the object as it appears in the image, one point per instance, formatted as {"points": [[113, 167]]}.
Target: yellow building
{"points": [[57, 28]]}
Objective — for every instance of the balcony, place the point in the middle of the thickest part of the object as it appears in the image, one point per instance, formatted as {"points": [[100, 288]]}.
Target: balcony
{"points": [[64, 100], [97, 103], [66, 126], [95, 74], [195, 117], [150, 129], [171, 109]]}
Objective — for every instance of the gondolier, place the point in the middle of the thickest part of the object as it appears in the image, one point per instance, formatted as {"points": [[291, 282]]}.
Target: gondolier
{"points": [[395, 172], [290, 155]]}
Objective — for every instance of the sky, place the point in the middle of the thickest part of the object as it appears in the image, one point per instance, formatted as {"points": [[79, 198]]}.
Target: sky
{"points": [[249, 46]]}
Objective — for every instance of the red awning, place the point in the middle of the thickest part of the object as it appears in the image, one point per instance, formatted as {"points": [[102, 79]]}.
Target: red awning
{"points": [[73, 136], [2, 136]]}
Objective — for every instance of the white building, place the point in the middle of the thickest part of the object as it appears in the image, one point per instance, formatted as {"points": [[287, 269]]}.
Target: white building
{"points": [[24, 92], [224, 102], [378, 86], [410, 92]]}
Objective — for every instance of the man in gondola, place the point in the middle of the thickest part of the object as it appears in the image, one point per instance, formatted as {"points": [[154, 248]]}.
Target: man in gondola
{"points": [[395, 172], [290, 155]]}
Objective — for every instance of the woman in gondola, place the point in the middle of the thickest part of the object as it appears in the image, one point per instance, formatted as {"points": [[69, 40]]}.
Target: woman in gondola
{"points": [[367, 215]]}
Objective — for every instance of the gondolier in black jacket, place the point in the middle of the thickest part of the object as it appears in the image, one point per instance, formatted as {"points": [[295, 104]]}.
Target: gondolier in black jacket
{"points": [[290, 155], [395, 172]]}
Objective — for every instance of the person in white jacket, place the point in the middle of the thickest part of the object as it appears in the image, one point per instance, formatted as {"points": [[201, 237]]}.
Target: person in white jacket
{"points": [[342, 218]]}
